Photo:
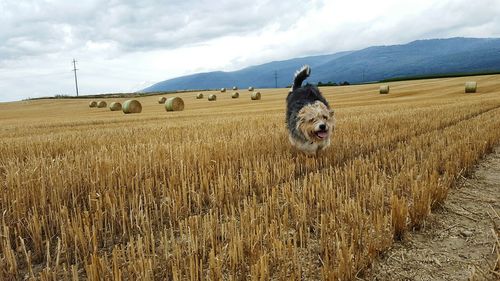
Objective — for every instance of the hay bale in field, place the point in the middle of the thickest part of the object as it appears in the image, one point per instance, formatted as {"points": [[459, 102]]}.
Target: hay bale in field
{"points": [[384, 89], [470, 87], [250, 88], [132, 106], [212, 97], [199, 96], [222, 90], [174, 104], [93, 103], [102, 104], [161, 100], [255, 96], [115, 106], [235, 88], [235, 95]]}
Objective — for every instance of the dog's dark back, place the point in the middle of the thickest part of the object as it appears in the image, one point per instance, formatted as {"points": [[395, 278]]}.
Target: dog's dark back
{"points": [[300, 96], [305, 95]]}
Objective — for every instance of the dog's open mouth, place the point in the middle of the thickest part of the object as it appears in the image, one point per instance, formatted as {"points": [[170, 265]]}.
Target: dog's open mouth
{"points": [[321, 134]]}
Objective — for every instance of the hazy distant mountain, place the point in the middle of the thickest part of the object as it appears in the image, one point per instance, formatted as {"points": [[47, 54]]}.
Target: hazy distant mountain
{"points": [[420, 57]]}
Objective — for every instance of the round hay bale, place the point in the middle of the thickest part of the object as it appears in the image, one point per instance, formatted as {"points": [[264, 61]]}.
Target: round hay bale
{"points": [[235, 95], [250, 88], [212, 97], [102, 104], [93, 103], [222, 90], [132, 106], [384, 89], [235, 88], [256, 96], [174, 104], [115, 106], [161, 100], [470, 87], [199, 96]]}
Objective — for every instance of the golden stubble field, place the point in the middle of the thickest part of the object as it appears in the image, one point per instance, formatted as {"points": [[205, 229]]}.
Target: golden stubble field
{"points": [[216, 193]]}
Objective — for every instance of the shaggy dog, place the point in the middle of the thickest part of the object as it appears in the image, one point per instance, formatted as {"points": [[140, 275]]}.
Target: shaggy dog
{"points": [[309, 119]]}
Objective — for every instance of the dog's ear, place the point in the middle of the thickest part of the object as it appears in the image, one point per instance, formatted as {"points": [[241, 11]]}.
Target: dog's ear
{"points": [[332, 112]]}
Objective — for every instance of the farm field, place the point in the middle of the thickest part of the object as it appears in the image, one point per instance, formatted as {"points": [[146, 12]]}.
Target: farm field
{"points": [[215, 192]]}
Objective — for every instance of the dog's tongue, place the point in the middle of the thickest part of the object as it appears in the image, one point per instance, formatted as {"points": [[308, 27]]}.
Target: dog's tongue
{"points": [[322, 134]]}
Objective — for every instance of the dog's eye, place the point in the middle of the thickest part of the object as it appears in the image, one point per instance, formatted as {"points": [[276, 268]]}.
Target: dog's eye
{"points": [[325, 117], [312, 120]]}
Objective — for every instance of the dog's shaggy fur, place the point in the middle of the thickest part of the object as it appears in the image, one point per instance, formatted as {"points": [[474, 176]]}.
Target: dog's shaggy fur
{"points": [[309, 119]]}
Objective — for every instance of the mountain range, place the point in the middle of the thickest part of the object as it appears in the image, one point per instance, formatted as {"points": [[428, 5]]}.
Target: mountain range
{"points": [[421, 57]]}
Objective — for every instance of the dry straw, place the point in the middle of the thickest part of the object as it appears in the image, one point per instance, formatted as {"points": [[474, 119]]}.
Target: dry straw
{"points": [[199, 96], [235, 95], [212, 97], [384, 89], [256, 96], [102, 104], [93, 103], [235, 88], [115, 106], [132, 106], [161, 100], [250, 88], [223, 90], [470, 87], [174, 104], [133, 182]]}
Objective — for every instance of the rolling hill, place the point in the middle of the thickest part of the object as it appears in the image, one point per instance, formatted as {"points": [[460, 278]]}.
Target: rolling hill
{"points": [[422, 57]]}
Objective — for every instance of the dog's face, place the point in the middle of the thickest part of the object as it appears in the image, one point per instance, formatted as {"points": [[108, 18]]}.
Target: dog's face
{"points": [[316, 122]]}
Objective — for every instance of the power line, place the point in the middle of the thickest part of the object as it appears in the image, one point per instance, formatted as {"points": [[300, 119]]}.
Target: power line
{"points": [[276, 79], [76, 80]]}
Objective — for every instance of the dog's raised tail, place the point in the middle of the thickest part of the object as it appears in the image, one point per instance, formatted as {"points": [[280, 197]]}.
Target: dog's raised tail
{"points": [[300, 76]]}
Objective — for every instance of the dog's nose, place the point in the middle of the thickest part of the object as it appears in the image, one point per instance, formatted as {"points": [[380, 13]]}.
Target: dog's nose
{"points": [[322, 127]]}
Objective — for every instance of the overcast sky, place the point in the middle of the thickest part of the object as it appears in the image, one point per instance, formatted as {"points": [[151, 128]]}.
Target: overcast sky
{"points": [[124, 46]]}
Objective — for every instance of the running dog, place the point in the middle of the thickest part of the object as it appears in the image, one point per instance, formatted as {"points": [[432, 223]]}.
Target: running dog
{"points": [[309, 118]]}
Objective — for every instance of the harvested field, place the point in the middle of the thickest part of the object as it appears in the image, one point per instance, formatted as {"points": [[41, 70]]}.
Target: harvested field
{"points": [[216, 192]]}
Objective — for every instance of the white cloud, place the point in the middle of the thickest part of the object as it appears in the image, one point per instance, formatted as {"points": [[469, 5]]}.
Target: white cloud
{"points": [[121, 44]]}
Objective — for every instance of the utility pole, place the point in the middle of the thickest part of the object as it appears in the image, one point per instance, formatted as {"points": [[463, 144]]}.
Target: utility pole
{"points": [[276, 79], [76, 80]]}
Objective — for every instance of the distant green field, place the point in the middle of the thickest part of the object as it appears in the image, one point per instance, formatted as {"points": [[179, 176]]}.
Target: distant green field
{"points": [[116, 95], [443, 75]]}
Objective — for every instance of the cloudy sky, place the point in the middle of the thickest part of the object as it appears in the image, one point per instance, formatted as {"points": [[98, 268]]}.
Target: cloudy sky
{"points": [[124, 46]]}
